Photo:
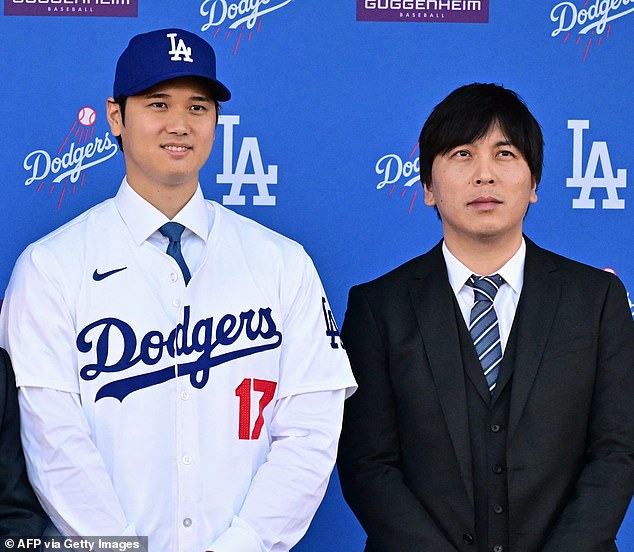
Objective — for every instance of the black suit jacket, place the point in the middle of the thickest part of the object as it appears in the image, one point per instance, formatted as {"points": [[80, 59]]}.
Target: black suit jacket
{"points": [[20, 512], [405, 459]]}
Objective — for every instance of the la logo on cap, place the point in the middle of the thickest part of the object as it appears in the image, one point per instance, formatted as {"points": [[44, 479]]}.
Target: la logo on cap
{"points": [[179, 52]]}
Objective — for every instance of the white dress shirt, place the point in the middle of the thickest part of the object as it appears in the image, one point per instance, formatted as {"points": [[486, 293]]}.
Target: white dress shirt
{"points": [[505, 302]]}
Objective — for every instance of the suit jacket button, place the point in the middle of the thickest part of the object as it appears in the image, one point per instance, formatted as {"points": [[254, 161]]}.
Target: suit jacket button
{"points": [[498, 509], [497, 469], [495, 428], [467, 538], [498, 548]]}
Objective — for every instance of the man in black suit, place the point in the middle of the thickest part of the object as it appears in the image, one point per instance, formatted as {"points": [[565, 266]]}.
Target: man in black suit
{"points": [[495, 409], [20, 512]]}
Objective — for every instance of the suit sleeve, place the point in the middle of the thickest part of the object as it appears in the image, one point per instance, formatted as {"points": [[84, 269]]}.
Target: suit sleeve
{"points": [[369, 457], [20, 513], [590, 520]]}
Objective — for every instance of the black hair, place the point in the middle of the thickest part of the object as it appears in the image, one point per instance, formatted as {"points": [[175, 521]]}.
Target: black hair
{"points": [[467, 114], [121, 100]]}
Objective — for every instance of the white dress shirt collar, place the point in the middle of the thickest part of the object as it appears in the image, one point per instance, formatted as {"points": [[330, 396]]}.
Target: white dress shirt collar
{"points": [[512, 271], [143, 219]]}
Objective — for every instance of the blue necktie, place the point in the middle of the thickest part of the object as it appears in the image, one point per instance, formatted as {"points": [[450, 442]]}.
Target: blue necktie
{"points": [[173, 231], [483, 325]]}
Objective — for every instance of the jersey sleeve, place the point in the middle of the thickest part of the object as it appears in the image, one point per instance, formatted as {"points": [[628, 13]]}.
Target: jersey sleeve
{"points": [[36, 323], [312, 357]]}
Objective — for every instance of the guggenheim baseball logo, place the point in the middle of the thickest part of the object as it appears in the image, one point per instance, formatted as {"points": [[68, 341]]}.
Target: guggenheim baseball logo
{"points": [[239, 18], [62, 171], [95, 8], [590, 21], [422, 11]]}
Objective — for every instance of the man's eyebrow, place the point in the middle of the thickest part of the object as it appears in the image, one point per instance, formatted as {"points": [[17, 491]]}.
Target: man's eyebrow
{"points": [[164, 95], [200, 99]]}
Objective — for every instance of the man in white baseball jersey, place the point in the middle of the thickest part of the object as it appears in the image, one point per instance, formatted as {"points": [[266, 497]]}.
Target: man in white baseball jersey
{"points": [[179, 371]]}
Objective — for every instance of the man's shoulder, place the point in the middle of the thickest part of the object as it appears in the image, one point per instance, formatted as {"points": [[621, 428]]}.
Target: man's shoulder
{"points": [[569, 268], [233, 226], [76, 228], [418, 268], [64, 243]]}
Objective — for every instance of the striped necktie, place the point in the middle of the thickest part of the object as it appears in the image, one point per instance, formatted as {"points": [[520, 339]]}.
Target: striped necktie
{"points": [[173, 231], [483, 325]]}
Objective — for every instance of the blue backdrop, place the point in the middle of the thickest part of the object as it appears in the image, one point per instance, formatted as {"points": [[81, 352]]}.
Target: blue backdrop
{"points": [[319, 140]]}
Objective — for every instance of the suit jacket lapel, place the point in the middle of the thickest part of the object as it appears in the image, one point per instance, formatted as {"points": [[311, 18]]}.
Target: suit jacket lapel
{"points": [[433, 303], [534, 317]]}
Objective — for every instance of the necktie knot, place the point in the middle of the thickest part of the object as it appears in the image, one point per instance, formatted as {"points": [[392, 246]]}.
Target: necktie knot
{"points": [[485, 288], [172, 230]]}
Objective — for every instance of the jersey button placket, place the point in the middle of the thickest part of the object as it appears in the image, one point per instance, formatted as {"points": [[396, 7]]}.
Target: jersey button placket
{"points": [[187, 452]]}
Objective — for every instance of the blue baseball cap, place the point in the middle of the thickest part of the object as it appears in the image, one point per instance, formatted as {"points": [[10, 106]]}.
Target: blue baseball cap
{"points": [[166, 54]]}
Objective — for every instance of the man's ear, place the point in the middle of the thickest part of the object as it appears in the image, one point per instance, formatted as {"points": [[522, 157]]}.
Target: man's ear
{"points": [[533, 194], [429, 198], [113, 113]]}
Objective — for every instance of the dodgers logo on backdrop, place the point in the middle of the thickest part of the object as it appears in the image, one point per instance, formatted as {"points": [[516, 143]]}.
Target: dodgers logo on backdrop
{"points": [[238, 176], [240, 15], [424, 11], [62, 171], [591, 21], [86, 8], [396, 172], [255, 332], [589, 179]]}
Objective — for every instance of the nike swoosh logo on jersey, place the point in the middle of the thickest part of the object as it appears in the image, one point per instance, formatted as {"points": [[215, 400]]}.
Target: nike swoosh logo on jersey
{"points": [[98, 276]]}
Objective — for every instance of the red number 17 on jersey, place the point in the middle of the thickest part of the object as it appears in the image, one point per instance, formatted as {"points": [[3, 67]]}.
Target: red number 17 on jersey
{"points": [[243, 392]]}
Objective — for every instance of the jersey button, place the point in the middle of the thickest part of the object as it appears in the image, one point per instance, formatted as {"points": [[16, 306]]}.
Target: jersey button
{"points": [[176, 302], [187, 459], [173, 276], [187, 522], [184, 395]]}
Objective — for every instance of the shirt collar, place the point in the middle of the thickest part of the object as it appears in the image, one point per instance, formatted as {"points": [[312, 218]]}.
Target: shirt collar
{"points": [[143, 219], [512, 271]]}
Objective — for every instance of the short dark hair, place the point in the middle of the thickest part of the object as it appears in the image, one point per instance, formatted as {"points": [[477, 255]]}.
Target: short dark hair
{"points": [[121, 100], [466, 115]]}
